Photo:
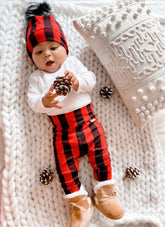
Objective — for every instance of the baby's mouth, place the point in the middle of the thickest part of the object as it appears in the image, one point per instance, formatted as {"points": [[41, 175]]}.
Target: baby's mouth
{"points": [[49, 63]]}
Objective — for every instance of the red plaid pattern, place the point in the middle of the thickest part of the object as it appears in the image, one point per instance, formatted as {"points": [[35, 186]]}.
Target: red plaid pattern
{"points": [[76, 134], [41, 29]]}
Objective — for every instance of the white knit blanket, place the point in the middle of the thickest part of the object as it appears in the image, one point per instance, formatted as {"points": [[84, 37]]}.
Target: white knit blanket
{"points": [[28, 138]]}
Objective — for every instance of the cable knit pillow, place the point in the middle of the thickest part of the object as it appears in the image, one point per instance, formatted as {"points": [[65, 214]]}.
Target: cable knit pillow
{"points": [[130, 44]]}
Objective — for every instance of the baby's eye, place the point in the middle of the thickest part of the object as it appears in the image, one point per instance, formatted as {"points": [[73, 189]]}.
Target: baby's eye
{"points": [[53, 48], [39, 52]]}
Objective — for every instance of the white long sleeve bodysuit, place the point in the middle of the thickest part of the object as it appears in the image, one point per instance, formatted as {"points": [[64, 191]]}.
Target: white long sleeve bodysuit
{"points": [[40, 82]]}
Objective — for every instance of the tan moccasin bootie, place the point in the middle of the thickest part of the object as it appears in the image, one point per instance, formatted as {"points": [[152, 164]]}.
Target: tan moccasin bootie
{"points": [[81, 211], [105, 201]]}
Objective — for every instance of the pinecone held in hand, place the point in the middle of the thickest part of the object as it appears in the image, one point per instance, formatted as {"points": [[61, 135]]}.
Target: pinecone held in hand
{"points": [[131, 173], [62, 85]]}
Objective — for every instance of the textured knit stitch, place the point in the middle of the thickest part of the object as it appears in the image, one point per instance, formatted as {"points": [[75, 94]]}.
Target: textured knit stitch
{"points": [[29, 148]]}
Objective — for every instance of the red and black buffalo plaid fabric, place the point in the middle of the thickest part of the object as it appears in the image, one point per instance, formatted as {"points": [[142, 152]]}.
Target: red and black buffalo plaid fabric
{"points": [[41, 29], [76, 134]]}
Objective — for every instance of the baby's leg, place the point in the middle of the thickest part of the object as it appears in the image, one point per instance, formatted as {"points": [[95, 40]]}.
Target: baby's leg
{"points": [[104, 191], [66, 158], [66, 149], [98, 154]]}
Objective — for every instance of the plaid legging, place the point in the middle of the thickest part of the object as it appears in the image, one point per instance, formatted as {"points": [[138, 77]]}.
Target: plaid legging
{"points": [[76, 134]]}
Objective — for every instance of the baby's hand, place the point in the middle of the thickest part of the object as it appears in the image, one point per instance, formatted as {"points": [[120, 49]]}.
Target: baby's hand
{"points": [[73, 79], [49, 99]]}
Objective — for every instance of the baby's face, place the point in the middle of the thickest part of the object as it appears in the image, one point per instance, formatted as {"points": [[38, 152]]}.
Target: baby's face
{"points": [[49, 56]]}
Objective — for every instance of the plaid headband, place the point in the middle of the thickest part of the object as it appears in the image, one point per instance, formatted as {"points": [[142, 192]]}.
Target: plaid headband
{"points": [[41, 29]]}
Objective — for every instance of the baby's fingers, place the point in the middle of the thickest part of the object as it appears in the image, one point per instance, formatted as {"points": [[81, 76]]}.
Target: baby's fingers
{"points": [[50, 93], [51, 88], [67, 72], [55, 104]]}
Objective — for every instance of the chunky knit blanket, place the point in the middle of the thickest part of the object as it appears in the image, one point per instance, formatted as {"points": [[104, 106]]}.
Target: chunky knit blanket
{"points": [[25, 201]]}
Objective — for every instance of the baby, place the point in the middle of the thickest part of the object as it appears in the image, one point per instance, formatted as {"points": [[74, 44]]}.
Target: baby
{"points": [[76, 129]]}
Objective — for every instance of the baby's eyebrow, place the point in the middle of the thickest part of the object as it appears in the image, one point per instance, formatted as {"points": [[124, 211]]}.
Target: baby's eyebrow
{"points": [[39, 44], [38, 48]]}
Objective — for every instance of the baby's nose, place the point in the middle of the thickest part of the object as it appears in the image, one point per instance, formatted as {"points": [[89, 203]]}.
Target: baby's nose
{"points": [[47, 53]]}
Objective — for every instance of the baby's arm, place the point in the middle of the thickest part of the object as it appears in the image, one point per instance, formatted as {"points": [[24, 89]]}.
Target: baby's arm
{"points": [[37, 99], [86, 79]]}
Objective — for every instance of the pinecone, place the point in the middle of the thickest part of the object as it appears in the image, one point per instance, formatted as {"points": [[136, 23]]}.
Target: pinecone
{"points": [[106, 92], [46, 176], [62, 85], [131, 173]]}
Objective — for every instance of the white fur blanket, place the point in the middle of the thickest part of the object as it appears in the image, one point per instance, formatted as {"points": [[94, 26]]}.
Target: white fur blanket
{"points": [[28, 138]]}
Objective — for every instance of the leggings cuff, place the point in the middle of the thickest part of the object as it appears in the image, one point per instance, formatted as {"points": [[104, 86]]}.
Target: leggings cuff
{"points": [[81, 191]]}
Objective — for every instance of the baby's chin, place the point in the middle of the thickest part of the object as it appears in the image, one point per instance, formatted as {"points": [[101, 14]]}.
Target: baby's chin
{"points": [[51, 67]]}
